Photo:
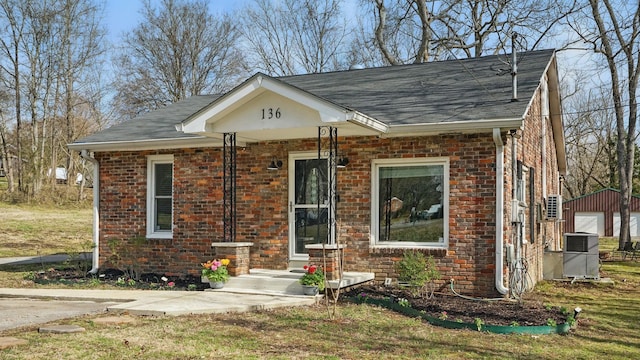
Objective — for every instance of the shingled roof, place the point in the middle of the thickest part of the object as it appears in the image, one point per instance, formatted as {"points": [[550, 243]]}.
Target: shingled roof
{"points": [[460, 90], [435, 92]]}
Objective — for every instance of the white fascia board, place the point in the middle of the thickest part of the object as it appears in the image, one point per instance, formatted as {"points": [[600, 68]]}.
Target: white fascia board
{"points": [[197, 123], [148, 144], [367, 122], [454, 127]]}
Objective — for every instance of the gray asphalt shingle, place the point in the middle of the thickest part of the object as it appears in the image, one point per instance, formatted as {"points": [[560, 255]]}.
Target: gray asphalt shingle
{"points": [[443, 91], [435, 92]]}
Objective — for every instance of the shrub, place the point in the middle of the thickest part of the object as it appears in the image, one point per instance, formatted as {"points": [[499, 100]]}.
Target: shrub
{"points": [[419, 272]]}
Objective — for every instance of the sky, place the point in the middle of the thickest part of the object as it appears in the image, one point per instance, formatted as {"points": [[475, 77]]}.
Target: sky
{"points": [[123, 15]]}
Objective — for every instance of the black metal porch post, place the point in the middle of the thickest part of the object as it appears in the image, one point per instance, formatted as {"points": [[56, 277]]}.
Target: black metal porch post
{"points": [[229, 187]]}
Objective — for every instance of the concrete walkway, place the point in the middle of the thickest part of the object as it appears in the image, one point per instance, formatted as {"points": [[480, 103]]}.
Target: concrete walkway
{"points": [[42, 259], [152, 302]]}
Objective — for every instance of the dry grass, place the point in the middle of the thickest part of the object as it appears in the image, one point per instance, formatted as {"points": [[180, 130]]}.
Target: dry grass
{"points": [[30, 230], [609, 326]]}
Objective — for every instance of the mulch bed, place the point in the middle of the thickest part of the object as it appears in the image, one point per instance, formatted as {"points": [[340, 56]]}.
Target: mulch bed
{"points": [[454, 308], [118, 278]]}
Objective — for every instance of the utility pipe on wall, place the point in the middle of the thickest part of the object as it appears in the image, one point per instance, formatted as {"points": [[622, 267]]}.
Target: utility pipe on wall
{"points": [[96, 210], [497, 138]]}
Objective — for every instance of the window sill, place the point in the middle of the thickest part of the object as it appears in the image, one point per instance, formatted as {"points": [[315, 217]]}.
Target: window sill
{"points": [[437, 251], [160, 236], [413, 245]]}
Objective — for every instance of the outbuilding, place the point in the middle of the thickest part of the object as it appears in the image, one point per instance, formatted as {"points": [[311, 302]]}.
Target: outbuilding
{"points": [[599, 213]]}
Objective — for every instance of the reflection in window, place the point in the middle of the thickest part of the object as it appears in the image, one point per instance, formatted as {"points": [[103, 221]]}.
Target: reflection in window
{"points": [[311, 181], [160, 196], [411, 203], [311, 202], [311, 228]]}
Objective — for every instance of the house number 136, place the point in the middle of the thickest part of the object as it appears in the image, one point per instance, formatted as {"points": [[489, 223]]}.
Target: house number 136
{"points": [[271, 113]]}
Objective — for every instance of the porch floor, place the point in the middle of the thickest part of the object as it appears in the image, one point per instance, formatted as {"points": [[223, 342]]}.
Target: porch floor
{"points": [[285, 282]]}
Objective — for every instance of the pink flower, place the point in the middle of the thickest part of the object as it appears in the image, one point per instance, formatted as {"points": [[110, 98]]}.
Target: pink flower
{"points": [[217, 263], [171, 284], [214, 267]]}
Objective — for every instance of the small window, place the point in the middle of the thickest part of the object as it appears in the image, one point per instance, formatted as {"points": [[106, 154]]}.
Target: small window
{"points": [[410, 202], [160, 196]]}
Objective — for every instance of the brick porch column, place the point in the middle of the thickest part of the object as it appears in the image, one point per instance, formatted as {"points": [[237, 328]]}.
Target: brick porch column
{"points": [[333, 254], [237, 253]]}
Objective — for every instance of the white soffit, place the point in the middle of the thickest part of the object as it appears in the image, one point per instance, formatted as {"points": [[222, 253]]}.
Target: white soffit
{"points": [[265, 109]]}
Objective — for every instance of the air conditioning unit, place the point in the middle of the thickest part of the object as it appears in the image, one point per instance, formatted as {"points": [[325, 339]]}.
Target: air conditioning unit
{"points": [[581, 256], [554, 207]]}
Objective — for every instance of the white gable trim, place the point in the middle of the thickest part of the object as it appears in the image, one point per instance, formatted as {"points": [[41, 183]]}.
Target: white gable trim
{"points": [[328, 112]]}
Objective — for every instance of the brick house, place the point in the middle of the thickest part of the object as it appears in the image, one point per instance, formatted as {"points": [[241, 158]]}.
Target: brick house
{"points": [[370, 161]]}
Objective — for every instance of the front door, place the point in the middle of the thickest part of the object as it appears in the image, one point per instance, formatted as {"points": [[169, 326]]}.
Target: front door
{"points": [[308, 203]]}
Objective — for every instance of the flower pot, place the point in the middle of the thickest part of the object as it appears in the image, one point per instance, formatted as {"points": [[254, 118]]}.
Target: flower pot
{"points": [[310, 290], [216, 284]]}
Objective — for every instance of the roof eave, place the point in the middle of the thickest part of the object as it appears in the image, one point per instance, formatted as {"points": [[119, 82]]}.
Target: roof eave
{"points": [[472, 126], [557, 123], [139, 145], [367, 122]]}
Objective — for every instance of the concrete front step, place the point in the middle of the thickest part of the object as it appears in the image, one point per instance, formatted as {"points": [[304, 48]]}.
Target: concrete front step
{"points": [[266, 281], [285, 281]]}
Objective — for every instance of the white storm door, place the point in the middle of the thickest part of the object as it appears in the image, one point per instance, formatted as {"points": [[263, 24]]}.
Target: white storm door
{"points": [[308, 203]]}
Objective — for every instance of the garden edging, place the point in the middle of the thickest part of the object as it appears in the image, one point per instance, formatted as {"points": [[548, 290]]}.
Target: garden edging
{"points": [[497, 329]]}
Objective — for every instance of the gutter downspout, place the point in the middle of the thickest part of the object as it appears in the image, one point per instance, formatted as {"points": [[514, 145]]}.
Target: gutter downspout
{"points": [[497, 138], [96, 210]]}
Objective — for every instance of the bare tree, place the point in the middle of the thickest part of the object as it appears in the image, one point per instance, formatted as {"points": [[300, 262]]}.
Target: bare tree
{"points": [[480, 27], [81, 49], [48, 47], [291, 37], [590, 143], [7, 158], [10, 42], [613, 32], [404, 29], [423, 30], [178, 50]]}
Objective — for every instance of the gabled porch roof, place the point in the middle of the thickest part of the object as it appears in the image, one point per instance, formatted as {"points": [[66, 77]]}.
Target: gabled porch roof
{"points": [[264, 108]]}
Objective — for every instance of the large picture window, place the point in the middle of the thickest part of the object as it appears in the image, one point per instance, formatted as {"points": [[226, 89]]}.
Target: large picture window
{"points": [[410, 202], [159, 196]]}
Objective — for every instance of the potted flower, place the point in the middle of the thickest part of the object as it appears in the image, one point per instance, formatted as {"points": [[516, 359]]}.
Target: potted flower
{"points": [[313, 280], [216, 272]]}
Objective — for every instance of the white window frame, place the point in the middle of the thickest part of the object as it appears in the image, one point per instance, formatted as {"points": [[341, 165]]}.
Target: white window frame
{"points": [[375, 209], [153, 160]]}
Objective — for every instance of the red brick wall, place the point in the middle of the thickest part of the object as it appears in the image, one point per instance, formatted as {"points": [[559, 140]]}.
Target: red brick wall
{"points": [[529, 152], [263, 203], [197, 209], [469, 258]]}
